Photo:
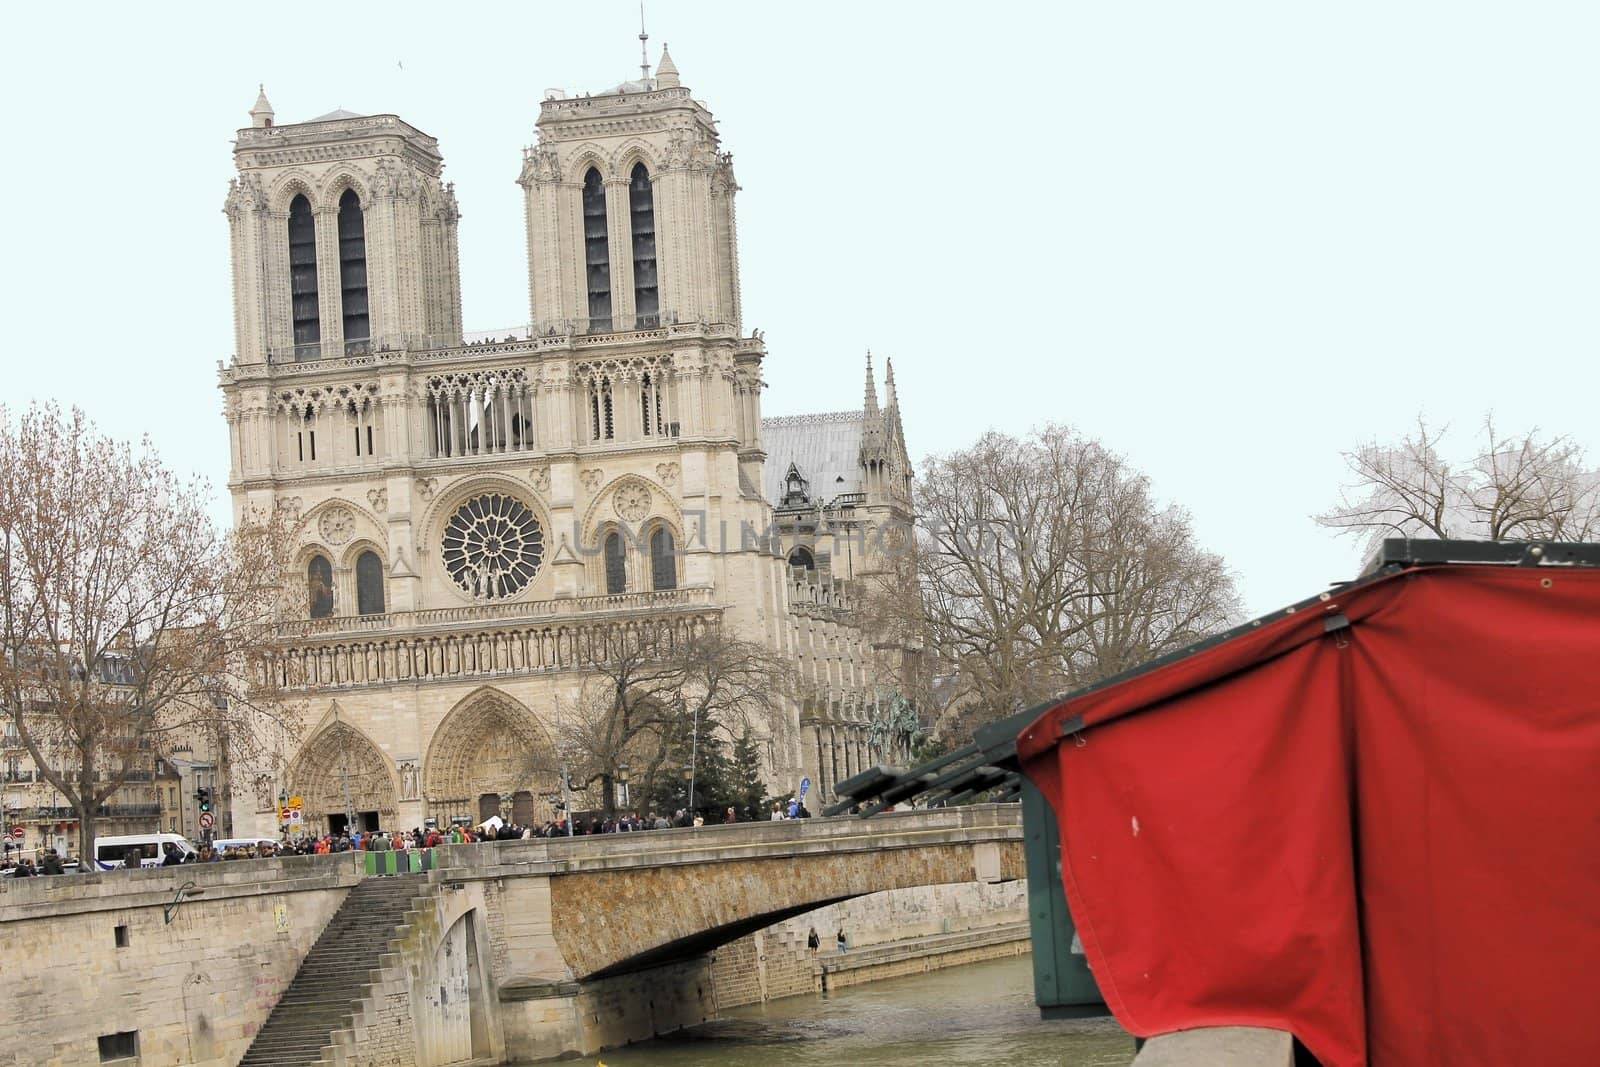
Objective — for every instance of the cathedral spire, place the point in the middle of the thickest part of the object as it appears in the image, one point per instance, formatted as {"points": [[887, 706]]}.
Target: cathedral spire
{"points": [[666, 71], [890, 399], [870, 401], [261, 114]]}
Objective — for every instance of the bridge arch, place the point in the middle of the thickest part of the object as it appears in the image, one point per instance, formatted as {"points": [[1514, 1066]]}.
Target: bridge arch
{"points": [[726, 882], [490, 755]]}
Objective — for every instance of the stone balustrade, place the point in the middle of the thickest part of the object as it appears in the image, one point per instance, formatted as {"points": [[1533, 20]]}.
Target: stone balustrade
{"points": [[476, 616], [468, 647]]}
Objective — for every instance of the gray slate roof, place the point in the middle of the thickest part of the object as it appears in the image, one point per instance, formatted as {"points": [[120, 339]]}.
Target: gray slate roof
{"points": [[826, 447]]}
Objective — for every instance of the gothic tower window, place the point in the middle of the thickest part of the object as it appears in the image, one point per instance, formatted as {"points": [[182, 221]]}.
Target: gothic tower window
{"points": [[602, 421], [650, 403], [616, 567], [369, 584], [641, 210], [597, 252], [303, 279], [801, 557], [663, 562], [319, 586], [353, 272]]}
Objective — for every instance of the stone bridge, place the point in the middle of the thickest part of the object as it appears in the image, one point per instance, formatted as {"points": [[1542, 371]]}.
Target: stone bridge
{"points": [[508, 951]]}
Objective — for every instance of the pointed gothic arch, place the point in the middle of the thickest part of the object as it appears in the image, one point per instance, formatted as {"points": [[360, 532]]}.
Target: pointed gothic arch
{"points": [[597, 251], [490, 746], [337, 759]]}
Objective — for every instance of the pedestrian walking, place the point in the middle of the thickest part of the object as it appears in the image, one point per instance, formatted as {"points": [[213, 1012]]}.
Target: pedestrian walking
{"points": [[813, 942], [841, 941]]}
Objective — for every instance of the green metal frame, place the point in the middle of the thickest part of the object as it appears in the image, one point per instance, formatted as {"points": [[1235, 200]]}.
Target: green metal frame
{"points": [[1063, 985]]}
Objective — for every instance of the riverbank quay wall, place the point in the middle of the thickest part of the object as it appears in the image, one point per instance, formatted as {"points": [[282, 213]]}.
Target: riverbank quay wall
{"points": [[121, 953], [546, 948], [890, 935]]}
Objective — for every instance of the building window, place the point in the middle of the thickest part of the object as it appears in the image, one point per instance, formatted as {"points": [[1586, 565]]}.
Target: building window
{"points": [[353, 272], [493, 546], [663, 560], [319, 586], [650, 403], [369, 584], [123, 1046], [601, 415], [303, 279], [616, 566], [597, 252], [642, 212], [801, 557], [120, 935]]}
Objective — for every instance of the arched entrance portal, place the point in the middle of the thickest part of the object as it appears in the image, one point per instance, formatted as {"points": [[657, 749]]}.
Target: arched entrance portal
{"points": [[340, 773], [489, 757]]}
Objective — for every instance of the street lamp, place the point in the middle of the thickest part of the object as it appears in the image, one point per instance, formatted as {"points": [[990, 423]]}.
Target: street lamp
{"points": [[622, 780], [688, 778]]}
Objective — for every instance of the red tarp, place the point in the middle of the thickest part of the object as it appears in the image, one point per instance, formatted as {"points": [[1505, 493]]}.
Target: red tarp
{"points": [[1384, 839]]}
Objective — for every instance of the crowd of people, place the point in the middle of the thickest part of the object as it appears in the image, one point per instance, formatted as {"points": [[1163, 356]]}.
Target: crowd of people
{"points": [[432, 836], [49, 863]]}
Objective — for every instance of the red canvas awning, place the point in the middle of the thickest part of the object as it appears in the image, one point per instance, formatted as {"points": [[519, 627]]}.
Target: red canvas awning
{"points": [[1383, 837]]}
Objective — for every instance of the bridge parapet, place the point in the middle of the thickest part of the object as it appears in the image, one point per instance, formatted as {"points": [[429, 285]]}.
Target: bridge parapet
{"points": [[792, 839]]}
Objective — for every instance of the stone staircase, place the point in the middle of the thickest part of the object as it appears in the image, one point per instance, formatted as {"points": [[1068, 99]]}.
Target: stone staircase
{"points": [[336, 974]]}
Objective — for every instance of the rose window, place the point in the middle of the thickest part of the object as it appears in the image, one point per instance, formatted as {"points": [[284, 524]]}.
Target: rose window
{"points": [[493, 546]]}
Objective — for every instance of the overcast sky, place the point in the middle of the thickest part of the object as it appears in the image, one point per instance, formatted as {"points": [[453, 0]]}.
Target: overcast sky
{"points": [[1229, 239]]}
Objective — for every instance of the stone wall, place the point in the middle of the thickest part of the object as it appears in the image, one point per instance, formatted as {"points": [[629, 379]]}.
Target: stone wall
{"points": [[195, 989], [904, 931]]}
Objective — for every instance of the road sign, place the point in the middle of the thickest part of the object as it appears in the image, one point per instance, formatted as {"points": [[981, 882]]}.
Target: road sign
{"points": [[17, 832], [207, 820], [296, 803], [284, 814], [294, 816]]}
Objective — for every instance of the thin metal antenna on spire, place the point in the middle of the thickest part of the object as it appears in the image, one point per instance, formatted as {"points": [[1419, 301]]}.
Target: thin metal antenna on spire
{"points": [[644, 51]]}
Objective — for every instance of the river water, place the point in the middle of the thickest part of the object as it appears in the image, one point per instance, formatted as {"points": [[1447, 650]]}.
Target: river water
{"points": [[969, 1016]]}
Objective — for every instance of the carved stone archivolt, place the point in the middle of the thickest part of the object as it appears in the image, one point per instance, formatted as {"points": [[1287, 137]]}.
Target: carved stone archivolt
{"points": [[488, 744], [341, 766]]}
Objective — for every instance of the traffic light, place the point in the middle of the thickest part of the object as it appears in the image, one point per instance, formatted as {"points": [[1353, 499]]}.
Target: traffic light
{"points": [[203, 796]]}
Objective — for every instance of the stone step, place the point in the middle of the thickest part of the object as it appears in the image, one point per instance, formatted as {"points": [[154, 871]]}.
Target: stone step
{"points": [[335, 974]]}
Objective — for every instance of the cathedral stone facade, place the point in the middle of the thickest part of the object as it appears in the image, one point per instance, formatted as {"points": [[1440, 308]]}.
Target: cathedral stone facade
{"points": [[479, 515]]}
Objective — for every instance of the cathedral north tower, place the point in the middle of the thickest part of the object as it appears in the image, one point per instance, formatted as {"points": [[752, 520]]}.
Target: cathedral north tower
{"points": [[630, 211]]}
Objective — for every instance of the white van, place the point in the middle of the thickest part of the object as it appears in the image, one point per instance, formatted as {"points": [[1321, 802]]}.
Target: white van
{"points": [[111, 853]]}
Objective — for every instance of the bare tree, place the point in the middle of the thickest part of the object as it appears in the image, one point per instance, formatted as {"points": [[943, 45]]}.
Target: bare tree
{"points": [[1516, 488], [653, 692], [1042, 565], [129, 625]]}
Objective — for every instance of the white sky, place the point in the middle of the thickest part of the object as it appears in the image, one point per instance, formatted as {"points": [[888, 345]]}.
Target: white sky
{"points": [[1230, 239]]}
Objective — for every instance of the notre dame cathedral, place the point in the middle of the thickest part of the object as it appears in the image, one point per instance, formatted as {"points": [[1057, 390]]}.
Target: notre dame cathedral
{"points": [[476, 512]]}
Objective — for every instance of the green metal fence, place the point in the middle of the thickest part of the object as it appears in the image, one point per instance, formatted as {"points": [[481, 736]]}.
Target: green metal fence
{"points": [[411, 861]]}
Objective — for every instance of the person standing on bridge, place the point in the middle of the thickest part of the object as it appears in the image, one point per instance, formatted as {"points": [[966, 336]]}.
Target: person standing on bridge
{"points": [[841, 941], [813, 942]]}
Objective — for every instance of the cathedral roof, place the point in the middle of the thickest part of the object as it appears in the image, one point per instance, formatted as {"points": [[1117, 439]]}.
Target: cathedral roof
{"points": [[337, 114], [825, 448]]}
